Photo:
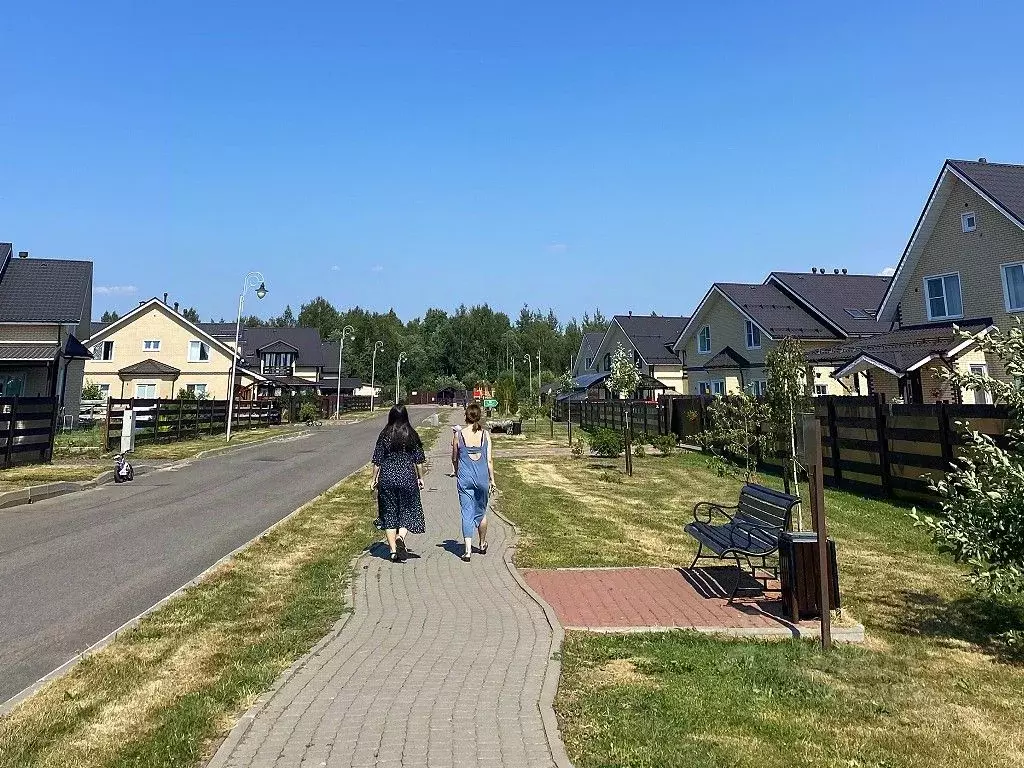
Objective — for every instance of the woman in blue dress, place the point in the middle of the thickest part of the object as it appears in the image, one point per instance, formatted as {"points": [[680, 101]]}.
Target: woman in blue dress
{"points": [[397, 477], [474, 472]]}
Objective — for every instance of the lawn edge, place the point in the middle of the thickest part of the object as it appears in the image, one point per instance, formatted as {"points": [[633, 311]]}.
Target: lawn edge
{"points": [[8, 706], [553, 670]]}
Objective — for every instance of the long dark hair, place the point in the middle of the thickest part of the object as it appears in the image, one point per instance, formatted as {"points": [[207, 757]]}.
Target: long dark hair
{"points": [[399, 433]]}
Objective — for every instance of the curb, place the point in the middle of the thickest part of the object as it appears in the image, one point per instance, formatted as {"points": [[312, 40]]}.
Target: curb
{"points": [[7, 706], [554, 666]]}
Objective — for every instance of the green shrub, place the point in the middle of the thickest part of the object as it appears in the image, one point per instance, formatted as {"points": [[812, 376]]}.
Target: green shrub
{"points": [[578, 447], [606, 442], [664, 443], [92, 391], [638, 450], [308, 412]]}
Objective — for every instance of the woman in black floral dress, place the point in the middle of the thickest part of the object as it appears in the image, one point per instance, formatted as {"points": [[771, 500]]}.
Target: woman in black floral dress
{"points": [[397, 477]]}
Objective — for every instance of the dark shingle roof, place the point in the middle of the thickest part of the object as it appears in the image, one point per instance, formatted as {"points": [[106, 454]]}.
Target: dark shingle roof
{"points": [[1002, 182], [775, 312], [306, 342], [45, 290], [591, 343], [848, 301], [25, 352], [149, 367], [653, 336], [727, 358], [901, 348], [96, 327], [222, 331]]}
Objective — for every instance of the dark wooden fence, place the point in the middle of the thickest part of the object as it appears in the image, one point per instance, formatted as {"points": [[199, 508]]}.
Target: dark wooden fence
{"points": [[168, 421], [27, 429], [868, 445]]}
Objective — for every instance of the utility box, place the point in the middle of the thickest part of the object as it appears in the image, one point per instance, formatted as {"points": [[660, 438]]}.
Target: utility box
{"points": [[799, 574], [128, 430]]}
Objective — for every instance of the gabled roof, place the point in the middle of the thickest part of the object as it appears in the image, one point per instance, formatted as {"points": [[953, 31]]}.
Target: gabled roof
{"points": [[774, 312], [304, 340], [847, 303], [589, 346], [149, 367], [222, 331], [158, 303], [727, 357], [901, 351], [44, 290], [999, 184], [652, 336]]}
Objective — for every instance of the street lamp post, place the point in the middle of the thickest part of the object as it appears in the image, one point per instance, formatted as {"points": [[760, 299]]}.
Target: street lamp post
{"points": [[377, 347], [530, 380], [398, 377], [252, 280], [538, 378], [341, 351]]}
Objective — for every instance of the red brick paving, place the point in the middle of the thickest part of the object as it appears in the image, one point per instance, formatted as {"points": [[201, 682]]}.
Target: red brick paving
{"points": [[634, 598]]}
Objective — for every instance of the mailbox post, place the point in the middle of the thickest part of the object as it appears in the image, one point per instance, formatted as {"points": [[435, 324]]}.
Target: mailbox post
{"points": [[128, 430]]}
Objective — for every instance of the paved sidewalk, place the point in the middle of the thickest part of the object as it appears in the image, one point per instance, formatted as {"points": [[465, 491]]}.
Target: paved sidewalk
{"points": [[441, 664]]}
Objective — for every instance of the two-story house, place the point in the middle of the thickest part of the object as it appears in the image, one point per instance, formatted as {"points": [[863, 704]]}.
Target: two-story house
{"points": [[963, 266], [650, 339], [155, 352], [724, 345], [45, 308], [289, 358]]}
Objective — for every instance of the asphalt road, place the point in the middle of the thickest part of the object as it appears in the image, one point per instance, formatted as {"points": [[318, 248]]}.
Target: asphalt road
{"points": [[75, 568]]}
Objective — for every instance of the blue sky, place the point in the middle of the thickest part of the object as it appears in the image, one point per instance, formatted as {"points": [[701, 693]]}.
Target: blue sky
{"points": [[564, 154]]}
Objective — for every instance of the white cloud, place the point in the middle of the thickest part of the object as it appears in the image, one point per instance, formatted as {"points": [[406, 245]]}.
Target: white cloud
{"points": [[888, 272], [557, 247], [115, 290], [335, 268], [377, 268]]}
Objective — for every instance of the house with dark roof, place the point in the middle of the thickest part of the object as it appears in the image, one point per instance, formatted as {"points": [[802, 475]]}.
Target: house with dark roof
{"points": [[724, 344], [649, 338], [45, 309], [155, 352], [586, 356], [291, 359]]}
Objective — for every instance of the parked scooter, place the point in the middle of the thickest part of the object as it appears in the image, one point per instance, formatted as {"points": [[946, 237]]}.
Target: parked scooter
{"points": [[123, 470]]}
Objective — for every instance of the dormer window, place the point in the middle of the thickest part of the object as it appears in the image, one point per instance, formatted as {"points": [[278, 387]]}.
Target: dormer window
{"points": [[704, 340], [968, 222], [753, 336]]}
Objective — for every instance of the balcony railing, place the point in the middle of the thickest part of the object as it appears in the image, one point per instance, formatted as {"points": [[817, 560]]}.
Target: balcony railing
{"points": [[278, 370]]}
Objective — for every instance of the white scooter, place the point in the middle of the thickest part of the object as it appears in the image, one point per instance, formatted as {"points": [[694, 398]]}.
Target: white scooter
{"points": [[123, 471]]}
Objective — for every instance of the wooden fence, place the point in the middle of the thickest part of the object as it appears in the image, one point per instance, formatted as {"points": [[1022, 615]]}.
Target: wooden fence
{"points": [[27, 429], [168, 421], [868, 445]]}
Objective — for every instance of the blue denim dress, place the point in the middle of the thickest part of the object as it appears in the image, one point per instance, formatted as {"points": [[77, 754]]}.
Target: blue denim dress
{"points": [[473, 483]]}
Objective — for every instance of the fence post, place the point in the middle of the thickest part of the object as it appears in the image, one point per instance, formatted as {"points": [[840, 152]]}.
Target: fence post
{"points": [[945, 434], [833, 434], [46, 453], [156, 423], [181, 410], [884, 469], [106, 429], [212, 425], [9, 449]]}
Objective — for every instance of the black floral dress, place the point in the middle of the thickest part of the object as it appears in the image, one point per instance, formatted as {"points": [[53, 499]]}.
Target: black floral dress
{"points": [[398, 493]]}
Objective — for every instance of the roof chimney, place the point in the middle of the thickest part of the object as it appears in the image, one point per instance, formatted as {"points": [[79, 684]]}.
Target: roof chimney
{"points": [[844, 270], [22, 254], [165, 297], [982, 159], [631, 313], [835, 271], [814, 270], [175, 306]]}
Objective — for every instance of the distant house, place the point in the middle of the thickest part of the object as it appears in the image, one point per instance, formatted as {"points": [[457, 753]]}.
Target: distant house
{"points": [[155, 352], [586, 357], [290, 359], [650, 339], [963, 265], [45, 309], [724, 344]]}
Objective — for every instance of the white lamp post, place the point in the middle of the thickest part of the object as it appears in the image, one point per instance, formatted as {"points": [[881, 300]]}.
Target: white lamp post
{"points": [[377, 347], [348, 329], [538, 378], [398, 376], [529, 381], [251, 280]]}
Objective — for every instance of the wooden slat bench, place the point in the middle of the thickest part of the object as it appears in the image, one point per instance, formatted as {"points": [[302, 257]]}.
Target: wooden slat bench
{"points": [[749, 529]]}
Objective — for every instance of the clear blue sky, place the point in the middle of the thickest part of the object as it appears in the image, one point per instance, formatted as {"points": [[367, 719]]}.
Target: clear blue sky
{"points": [[565, 154]]}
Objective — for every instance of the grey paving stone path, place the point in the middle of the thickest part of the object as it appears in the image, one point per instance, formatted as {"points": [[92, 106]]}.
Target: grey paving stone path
{"points": [[441, 664]]}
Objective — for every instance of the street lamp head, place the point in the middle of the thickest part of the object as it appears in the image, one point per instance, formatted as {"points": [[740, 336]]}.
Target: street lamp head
{"points": [[261, 292]]}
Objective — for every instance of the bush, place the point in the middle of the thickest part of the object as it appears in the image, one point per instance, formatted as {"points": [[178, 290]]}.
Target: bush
{"points": [[578, 447], [664, 443], [606, 442], [309, 412], [92, 391], [638, 450]]}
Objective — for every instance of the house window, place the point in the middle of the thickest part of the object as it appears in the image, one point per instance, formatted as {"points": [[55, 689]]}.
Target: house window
{"points": [[590, 363], [942, 294], [151, 345], [607, 361], [198, 352], [704, 340], [145, 391], [753, 336], [1013, 286], [104, 351], [820, 389], [712, 387], [196, 389], [980, 395], [759, 387], [968, 222], [104, 391], [12, 384]]}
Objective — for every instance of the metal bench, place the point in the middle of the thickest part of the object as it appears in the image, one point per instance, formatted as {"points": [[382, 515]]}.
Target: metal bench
{"points": [[750, 529]]}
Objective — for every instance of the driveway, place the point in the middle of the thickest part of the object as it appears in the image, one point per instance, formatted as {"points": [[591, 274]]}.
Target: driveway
{"points": [[75, 568]]}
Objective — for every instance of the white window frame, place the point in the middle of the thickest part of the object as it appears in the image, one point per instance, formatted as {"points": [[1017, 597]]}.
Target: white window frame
{"points": [[151, 345], [945, 299], [759, 387], [145, 397], [198, 357], [104, 391], [1006, 284], [194, 389], [752, 328], [98, 349], [701, 350], [963, 221], [823, 390], [981, 396]]}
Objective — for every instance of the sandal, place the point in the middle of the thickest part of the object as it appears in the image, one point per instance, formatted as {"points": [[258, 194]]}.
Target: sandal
{"points": [[482, 549], [403, 551]]}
